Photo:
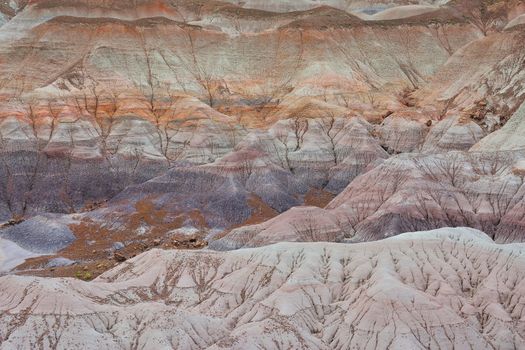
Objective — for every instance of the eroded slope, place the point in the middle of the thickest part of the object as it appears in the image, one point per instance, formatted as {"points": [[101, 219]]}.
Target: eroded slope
{"points": [[451, 288]]}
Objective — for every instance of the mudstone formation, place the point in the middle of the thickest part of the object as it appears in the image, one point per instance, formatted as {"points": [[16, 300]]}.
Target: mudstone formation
{"points": [[262, 174]]}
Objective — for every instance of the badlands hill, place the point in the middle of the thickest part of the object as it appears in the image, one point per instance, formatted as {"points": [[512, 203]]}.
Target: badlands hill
{"points": [[445, 289], [222, 171]]}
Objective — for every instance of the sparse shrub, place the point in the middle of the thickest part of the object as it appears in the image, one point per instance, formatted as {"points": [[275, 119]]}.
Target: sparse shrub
{"points": [[84, 275]]}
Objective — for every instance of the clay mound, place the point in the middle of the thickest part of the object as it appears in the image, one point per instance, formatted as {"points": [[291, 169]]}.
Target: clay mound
{"points": [[402, 12], [309, 108], [444, 289], [299, 224], [143, 22], [426, 15], [410, 193], [40, 234], [345, 5], [324, 18]]}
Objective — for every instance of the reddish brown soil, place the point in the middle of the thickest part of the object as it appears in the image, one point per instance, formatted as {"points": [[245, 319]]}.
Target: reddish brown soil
{"points": [[261, 211], [318, 198], [92, 248]]}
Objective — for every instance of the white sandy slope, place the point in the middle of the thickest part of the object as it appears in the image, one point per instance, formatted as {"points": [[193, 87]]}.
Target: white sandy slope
{"points": [[12, 255], [443, 289]]}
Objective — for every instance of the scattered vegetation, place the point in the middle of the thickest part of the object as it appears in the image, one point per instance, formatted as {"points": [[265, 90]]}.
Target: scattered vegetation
{"points": [[84, 275]]}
